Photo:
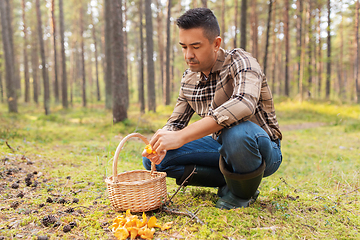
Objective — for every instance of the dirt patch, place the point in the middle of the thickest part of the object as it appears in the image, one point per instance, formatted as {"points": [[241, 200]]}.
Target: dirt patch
{"points": [[34, 205]]}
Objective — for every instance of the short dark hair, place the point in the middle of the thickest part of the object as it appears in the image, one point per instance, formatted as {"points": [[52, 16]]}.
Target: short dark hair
{"points": [[200, 18]]}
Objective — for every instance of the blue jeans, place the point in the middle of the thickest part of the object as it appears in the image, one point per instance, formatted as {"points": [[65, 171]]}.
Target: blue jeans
{"points": [[243, 148]]}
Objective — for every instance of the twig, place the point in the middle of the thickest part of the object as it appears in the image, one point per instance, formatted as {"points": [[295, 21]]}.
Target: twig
{"points": [[284, 181], [182, 184], [7, 144], [311, 227], [193, 215], [351, 191], [173, 211], [187, 213]]}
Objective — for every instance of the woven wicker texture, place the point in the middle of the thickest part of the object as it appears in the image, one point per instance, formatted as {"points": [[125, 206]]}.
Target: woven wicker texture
{"points": [[138, 190]]}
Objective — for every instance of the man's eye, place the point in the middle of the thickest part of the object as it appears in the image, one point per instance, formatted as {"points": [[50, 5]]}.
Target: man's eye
{"points": [[196, 47]]}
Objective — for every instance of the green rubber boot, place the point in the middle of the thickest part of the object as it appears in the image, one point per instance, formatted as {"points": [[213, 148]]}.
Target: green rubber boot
{"points": [[203, 176], [242, 187]]}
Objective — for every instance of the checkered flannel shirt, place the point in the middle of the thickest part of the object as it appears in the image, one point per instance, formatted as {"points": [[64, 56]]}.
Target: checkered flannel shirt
{"points": [[235, 91]]}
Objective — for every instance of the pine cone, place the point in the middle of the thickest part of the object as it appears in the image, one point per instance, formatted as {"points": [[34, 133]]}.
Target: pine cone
{"points": [[48, 220], [67, 228]]}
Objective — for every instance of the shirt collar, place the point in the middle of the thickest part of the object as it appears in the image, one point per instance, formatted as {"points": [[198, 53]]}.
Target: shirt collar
{"points": [[219, 61], [217, 66]]}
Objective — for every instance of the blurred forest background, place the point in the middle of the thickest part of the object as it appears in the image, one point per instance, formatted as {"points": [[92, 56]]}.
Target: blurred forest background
{"points": [[58, 53]]}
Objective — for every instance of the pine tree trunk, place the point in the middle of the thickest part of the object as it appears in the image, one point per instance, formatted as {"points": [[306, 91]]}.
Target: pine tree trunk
{"points": [[319, 54], [64, 91], [96, 58], [56, 82], [84, 100], [243, 24], [287, 49], [299, 6], [1, 82], [168, 45], [43, 61], [342, 86], [16, 70], [26, 64], [254, 29], [328, 60], [150, 59], [267, 36], [223, 27], [118, 75], [141, 63], [108, 54], [9, 60], [309, 51], [236, 17], [357, 87], [35, 64], [274, 53], [204, 3], [126, 86]]}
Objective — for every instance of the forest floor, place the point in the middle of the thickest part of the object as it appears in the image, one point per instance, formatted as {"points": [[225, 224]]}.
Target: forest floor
{"points": [[52, 171]]}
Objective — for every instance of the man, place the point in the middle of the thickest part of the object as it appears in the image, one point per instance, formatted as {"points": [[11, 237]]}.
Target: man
{"points": [[230, 92]]}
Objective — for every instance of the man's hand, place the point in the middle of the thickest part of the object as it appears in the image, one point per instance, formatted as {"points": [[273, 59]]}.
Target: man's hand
{"points": [[162, 141], [152, 154]]}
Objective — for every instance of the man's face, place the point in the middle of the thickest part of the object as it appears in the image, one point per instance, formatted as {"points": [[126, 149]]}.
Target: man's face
{"points": [[200, 55]]}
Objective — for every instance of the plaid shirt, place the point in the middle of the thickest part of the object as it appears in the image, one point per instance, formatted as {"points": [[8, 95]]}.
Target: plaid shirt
{"points": [[235, 91]]}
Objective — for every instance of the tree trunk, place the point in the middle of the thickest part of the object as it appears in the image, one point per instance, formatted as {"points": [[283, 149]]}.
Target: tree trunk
{"points": [[43, 60], [319, 53], [357, 87], [328, 60], [125, 45], [26, 64], [287, 49], [150, 59], [299, 6], [108, 54], [96, 58], [84, 100], [161, 49], [168, 45], [204, 3], [236, 17], [342, 85], [223, 27], [16, 70], [64, 92], [35, 64], [9, 60], [274, 54], [309, 50], [267, 35], [141, 63], [254, 29], [243, 24], [119, 91], [1, 81], [53, 28]]}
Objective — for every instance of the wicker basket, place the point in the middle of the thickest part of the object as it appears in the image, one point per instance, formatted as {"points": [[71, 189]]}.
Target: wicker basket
{"points": [[138, 190]]}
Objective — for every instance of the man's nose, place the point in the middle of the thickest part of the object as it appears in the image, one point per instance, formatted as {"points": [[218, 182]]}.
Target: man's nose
{"points": [[189, 54]]}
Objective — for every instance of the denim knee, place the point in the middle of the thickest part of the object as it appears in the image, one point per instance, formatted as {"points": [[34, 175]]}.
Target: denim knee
{"points": [[147, 163]]}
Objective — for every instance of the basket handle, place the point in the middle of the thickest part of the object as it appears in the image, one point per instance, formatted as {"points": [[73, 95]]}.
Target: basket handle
{"points": [[119, 148]]}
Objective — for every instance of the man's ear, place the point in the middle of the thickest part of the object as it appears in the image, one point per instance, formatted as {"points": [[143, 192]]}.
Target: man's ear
{"points": [[217, 42]]}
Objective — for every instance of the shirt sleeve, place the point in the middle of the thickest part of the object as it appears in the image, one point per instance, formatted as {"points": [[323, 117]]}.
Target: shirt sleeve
{"points": [[247, 79], [181, 115]]}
